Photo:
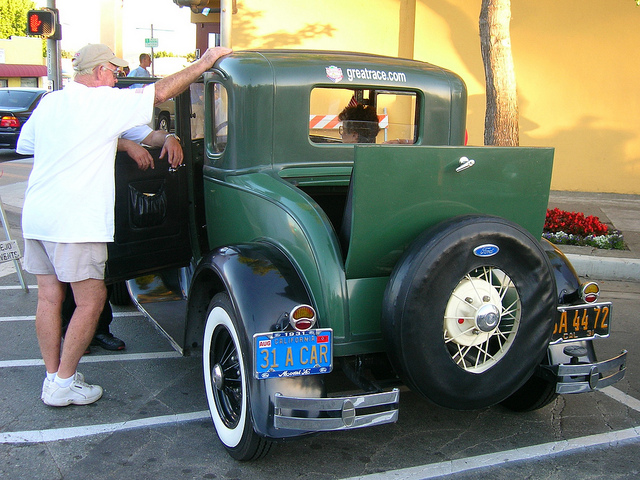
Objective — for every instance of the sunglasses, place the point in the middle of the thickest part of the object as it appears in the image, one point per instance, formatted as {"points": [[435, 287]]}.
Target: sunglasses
{"points": [[113, 72]]}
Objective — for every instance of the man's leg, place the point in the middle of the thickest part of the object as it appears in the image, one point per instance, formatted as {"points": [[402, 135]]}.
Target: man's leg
{"points": [[48, 321], [106, 316], [103, 336], [89, 296], [68, 307]]}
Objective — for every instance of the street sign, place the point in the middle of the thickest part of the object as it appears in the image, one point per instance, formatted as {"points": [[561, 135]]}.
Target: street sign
{"points": [[41, 22], [151, 42], [9, 251]]}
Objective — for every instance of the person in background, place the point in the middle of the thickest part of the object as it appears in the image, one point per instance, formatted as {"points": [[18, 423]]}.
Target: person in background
{"points": [[141, 70], [359, 124], [132, 142], [124, 71], [68, 212]]}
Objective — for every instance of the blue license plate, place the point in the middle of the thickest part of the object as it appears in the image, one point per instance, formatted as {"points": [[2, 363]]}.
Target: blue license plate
{"points": [[293, 354]]}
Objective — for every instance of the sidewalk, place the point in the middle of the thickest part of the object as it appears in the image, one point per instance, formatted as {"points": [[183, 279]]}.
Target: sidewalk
{"points": [[620, 212]]}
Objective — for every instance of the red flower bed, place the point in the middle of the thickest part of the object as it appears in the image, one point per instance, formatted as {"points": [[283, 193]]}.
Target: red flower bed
{"points": [[574, 223]]}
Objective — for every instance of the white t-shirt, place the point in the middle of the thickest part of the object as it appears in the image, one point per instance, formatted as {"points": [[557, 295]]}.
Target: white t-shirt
{"points": [[73, 135]]}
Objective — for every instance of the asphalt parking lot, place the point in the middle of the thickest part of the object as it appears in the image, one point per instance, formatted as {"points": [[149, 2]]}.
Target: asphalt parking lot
{"points": [[153, 423]]}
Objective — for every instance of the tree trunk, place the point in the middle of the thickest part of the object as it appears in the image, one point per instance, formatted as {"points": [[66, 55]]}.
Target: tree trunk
{"points": [[501, 116]]}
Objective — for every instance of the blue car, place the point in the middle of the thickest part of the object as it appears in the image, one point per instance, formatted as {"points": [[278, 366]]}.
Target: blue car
{"points": [[16, 106]]}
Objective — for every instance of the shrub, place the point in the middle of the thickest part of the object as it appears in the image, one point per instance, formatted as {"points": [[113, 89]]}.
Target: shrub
{"points": [[573, 228]]}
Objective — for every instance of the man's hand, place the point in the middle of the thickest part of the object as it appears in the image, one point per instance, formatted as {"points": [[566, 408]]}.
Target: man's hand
{"points": [[213, 54], [169, 87], [139, 154], [173, 150]]}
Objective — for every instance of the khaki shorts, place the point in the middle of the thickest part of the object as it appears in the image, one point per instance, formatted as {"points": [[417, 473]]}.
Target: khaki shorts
{"points": [[69, 262]]}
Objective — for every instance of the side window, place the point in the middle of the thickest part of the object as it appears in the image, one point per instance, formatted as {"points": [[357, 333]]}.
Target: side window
{"points": [[197, 111], [220, 111], [399, 116], [362, 116], [29, 82]]}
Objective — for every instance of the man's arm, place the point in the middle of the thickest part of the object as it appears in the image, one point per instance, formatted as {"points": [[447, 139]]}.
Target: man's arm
{"points": [[158, 138], [172, 85], [170, 146], [137, 152]]}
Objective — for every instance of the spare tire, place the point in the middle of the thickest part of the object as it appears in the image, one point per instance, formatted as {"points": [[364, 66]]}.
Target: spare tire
{"points": [[468, 311]]}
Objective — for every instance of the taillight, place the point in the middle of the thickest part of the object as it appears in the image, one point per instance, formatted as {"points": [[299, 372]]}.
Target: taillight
{"points": [[9, 121], [589, 292], [302, 317]]}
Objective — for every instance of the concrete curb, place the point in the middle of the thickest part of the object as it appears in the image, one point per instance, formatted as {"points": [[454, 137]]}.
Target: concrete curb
{"points": [[604, 268]]}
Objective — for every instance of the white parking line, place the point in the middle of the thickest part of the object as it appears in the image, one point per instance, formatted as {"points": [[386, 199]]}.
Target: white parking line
{"points": [[25, 318], [619, 396], [55, 434], [534, 452], [122, 357]]}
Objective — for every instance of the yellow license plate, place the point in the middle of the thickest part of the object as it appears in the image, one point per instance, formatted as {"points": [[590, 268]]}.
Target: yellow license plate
{"points": [[579, 322]]}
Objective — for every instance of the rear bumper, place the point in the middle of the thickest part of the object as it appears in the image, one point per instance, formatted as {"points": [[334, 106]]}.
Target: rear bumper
{"points": [[336, 413], [9, 138], [587, 377]]}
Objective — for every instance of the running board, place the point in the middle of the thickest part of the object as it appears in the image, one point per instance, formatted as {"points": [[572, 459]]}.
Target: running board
{"points": [[165, 307]]}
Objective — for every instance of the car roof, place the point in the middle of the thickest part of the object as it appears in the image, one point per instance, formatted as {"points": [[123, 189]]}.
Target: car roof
{"points": [[305, 67]]}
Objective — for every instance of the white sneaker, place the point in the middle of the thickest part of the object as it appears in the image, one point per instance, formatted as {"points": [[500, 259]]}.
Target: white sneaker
{"points": [[46, 385], [78, 393]]}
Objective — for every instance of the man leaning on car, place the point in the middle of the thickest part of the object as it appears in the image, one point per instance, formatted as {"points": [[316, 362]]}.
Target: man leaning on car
{"points": [[67, 218]]}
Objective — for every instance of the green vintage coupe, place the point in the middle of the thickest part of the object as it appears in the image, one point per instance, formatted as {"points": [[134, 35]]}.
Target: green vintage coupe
{"points": [[330, 225]]}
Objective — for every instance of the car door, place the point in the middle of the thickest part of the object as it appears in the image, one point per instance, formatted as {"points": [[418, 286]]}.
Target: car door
{"points": [[151, 218], [400, 191]]}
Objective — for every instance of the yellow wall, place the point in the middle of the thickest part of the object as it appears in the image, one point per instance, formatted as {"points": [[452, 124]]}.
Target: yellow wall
{"points": [[22, 51], [575, 66]]}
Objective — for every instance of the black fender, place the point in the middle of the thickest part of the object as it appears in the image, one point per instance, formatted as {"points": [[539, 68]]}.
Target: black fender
{"points": [[567, 280], [568, 290], [264, 286]]}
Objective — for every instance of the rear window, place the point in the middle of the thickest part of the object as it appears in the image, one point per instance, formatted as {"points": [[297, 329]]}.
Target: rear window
{"points": [[344, 115], [16, 98]]}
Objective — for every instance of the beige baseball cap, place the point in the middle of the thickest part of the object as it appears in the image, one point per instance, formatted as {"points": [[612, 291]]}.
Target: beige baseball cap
{"points": [[93, 55]]}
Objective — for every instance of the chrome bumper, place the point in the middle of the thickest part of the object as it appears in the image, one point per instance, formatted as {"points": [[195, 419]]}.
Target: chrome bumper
{"points": [[335, 413], [586, 377]]}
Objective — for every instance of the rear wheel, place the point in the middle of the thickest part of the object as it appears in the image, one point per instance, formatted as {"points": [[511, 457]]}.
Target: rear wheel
{"points": [[534, 394], [225, 378]]}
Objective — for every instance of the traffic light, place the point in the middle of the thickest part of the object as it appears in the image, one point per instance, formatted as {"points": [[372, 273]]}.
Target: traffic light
{"points": [[41, 23]]}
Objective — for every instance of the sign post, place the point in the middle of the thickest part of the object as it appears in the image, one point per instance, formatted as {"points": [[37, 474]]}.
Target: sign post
{"points": [[9, 250], [152, 43], [54, 63]]}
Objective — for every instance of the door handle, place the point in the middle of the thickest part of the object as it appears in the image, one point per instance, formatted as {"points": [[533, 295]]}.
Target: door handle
{"points": [[465, 163]]}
